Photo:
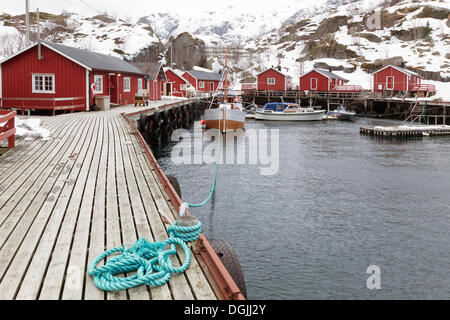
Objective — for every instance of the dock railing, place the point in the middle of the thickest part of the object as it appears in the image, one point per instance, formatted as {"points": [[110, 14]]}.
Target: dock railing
{"points": [[53, 104], [7, 127]]}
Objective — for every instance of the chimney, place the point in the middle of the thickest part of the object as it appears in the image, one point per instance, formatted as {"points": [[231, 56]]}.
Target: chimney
{"points": [[402, 64], [279, 68], [330, 69]]}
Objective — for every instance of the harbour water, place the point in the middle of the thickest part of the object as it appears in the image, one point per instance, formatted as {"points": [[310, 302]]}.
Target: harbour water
{"points": [[339, 203]]}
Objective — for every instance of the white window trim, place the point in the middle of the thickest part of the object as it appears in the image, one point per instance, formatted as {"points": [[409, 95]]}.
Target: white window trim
{"points": [[95, 82], [129, 84], [271, 81], [140, 83], [387, 82], [33, 76], [182, 86], [201, 84], [315, 87]]}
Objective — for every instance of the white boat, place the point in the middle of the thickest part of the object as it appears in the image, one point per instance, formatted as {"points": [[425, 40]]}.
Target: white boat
{"points": [[341, 113], [281, 111], [229, 114]]}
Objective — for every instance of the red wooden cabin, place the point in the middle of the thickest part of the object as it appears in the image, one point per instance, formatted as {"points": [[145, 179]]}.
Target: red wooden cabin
{"points": [[176, 85], [65, 78], [203, 81], [325, 81], [273, 80], [392, 80], [156, 77]]}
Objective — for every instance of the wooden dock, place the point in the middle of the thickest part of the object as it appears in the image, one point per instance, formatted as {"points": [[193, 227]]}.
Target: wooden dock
{"points": [[406, 131], [90, 188]]}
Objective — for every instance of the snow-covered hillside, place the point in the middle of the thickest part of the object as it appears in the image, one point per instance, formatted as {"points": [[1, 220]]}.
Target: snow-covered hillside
{"points": [[352, 36]]}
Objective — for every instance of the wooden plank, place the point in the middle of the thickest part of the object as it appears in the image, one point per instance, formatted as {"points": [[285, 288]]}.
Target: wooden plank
{"points": [[129, 234], [97, 239], [195, 277], [56, 272], [137, 197], [19, 200], [113, 227], [33, 154], [79, 248], [29, 230], [38, 265]]}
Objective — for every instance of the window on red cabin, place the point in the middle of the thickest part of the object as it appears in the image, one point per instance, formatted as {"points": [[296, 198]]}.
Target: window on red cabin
{"points": [[270, 80], [43, 83], [201, 84], [126, 85], [98, 80]]}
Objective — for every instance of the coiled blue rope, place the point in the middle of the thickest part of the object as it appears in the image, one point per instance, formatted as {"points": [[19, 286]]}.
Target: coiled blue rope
{"points": [[152, 263]]}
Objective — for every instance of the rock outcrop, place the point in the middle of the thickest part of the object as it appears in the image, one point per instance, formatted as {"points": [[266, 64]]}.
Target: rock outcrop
{"points": [[186, 52]]}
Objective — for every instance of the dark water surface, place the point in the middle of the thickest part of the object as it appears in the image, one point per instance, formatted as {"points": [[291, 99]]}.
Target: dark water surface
{"points": [[340, 202]]}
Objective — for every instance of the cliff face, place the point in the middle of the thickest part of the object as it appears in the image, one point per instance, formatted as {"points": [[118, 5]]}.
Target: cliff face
{"points": [[186, 52]]}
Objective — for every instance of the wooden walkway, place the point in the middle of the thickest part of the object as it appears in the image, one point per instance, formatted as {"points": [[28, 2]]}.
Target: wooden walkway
{"points": [[64, 201]]}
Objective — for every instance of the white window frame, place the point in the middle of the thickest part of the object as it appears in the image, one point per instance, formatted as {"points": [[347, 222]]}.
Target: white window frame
{"points": [[311, 84], [140, 84], [98, 89], [387, 82], [182, 86], [201, 84], [271, 81], [126, 80], [43, 75]]}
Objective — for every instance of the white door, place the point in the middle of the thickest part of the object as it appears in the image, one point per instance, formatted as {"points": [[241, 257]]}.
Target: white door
{"points": [[139, 87]]}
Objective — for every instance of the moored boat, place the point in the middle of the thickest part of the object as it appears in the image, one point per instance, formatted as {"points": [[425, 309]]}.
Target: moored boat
{"points": [[281, 111], [230, 114], [341, 113]]}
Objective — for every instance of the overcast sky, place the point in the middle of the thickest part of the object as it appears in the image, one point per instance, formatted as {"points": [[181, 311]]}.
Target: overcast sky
{"points": [[138, 8]]}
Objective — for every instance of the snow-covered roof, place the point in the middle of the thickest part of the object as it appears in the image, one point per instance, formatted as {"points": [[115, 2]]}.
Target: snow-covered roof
{"points": [[328, 74], [87, 59], [94, 60], [178, 74], [403, 70], [202, 75], [152, 69], [275, 71]]}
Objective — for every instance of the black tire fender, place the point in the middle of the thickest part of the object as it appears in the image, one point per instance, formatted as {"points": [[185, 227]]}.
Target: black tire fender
{"points": [[231, 262], [174, 182]]}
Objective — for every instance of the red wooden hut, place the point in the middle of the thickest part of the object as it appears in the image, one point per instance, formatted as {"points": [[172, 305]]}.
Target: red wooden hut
{"points": [[203, 81], [51, 76], [392, 80], [325, 81], [273, 80], [176, 85], [156, 77]]}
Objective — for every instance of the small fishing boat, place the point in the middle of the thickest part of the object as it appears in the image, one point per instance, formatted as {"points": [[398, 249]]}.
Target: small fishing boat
{"points": [[281, 111], [341, 113], [229, 114]]}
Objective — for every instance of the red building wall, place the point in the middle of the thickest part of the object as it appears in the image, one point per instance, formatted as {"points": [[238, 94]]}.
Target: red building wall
{"points": [[400, 80], [196, 83], [70, 78], [110, 86], [280, 80], [177, 82], [306, 82], [155, 88]]}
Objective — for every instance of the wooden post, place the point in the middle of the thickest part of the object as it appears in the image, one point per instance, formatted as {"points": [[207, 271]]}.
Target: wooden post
{"points": [[444, 117]]}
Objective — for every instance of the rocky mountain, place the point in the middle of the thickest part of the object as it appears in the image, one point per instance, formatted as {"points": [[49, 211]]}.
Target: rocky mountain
{"points": [[353, 37]]}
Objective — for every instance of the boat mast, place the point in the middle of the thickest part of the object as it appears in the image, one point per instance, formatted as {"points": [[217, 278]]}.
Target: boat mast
{"points": [[226, 76]]}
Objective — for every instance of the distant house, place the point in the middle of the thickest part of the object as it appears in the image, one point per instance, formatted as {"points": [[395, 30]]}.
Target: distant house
{"points": [[65, 78], [176, 85], [203, 81], [325, 81], [156, 78], [392, 79], [273, 80]]}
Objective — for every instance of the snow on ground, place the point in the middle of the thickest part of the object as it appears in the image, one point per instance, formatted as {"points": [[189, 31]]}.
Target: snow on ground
{"points": [[31, 128]]}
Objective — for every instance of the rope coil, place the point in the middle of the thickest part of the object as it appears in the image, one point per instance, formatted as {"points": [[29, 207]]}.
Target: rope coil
{"points": [[150, 260]]}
